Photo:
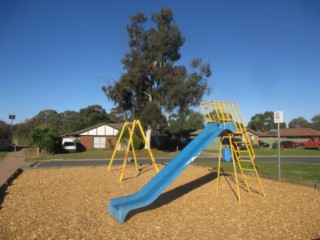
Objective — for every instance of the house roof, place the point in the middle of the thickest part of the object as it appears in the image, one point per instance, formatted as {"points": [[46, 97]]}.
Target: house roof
{"points": [[292, 132], [113, 125], [252, 131]]}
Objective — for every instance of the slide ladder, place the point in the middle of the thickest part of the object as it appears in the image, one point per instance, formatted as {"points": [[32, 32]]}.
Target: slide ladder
{"points": [[246, 165], [226, 111]]}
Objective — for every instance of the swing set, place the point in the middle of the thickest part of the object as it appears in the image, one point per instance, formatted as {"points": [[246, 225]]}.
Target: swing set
{"points": [[131, 126]]}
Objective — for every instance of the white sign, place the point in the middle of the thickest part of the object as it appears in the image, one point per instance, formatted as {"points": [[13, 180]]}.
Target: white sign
{"points": [[278, 117]]}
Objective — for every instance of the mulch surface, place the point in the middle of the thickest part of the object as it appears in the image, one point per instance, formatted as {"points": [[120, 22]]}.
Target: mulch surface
{"points": [[72, 203]]}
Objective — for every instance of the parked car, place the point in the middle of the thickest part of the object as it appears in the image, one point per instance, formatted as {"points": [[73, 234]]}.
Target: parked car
{"points": [[312, 143], [68, 144], [236, 142], [288, 144], [263, 144]]}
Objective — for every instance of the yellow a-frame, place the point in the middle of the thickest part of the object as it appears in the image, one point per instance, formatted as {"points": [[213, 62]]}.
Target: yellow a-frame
{"points": [[131, 127]]}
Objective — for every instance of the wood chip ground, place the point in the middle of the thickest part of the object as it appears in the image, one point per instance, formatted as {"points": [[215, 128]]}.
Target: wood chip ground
{"points": [[72, 203]]}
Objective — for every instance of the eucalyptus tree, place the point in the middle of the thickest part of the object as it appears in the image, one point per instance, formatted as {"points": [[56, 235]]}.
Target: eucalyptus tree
{"points": [[264, 122], [48, 117], [153, 87], [299, 122], [315, 122]]}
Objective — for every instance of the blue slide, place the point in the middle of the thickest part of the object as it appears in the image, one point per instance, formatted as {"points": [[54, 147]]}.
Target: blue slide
{"points": [[120, 207]]}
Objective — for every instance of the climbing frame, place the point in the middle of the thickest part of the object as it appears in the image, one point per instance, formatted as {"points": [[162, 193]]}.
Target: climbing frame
{"points": [[243, 159]]}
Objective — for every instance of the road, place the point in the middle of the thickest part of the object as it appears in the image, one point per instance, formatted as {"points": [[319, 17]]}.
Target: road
{"points": [[79, 163]]}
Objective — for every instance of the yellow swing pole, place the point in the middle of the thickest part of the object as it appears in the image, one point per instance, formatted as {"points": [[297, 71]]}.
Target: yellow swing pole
{"points": [[133, 149], [117, 145], [219, 166], [127, 155], [148, 146]]}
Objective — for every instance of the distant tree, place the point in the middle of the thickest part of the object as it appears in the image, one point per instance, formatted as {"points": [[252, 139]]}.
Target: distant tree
{"points": [[92, 115], [264, 122], [117, 115], [22, 130], [299, 122], [44, 136], [48, 117], [70, 122], [152, 88], [315, 122], [185, 123], [4, 130]]}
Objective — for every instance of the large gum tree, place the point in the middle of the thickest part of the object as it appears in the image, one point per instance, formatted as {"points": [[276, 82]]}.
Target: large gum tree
{"points": [[153, 88]]}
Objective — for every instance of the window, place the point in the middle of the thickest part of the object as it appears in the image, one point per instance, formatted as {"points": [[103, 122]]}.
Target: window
{"points": [[99, 142]]}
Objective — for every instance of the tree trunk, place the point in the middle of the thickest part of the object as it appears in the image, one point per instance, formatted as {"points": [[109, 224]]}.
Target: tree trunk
{"points": [[149, 130], [148, 137]]}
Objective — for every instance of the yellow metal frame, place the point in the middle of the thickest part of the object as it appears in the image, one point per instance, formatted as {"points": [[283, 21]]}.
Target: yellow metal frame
{"points": [[131, 126], [226, 111]]}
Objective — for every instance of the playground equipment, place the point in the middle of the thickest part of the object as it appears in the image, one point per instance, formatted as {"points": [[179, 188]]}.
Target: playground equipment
{"points": [[131, 128], [224, 111], [223, 117]]}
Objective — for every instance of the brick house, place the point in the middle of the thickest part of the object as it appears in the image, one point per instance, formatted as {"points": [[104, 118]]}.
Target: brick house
{"points": [[291, 133], [99, 136]]}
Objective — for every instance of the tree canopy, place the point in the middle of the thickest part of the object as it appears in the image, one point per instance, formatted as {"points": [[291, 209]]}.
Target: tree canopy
{"points": [[70, 121], [315, 122], [264, 122], [4, 130], [153, 88], [299, 122]]}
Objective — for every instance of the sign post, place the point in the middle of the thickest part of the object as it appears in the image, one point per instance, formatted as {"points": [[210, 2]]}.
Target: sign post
{"points": [[278, 118]]}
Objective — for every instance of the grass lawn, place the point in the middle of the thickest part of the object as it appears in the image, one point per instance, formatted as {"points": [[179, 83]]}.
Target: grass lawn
{"points": [[3, 154], [308, 173], [106, 154], [286, 152]]}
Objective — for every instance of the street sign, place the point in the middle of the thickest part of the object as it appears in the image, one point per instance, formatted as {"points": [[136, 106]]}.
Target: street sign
{"points": [[278, 117]]}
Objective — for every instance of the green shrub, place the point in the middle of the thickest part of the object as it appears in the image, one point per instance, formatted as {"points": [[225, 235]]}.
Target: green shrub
{"points": [[137, 143], [44, 136], [275, 145]]}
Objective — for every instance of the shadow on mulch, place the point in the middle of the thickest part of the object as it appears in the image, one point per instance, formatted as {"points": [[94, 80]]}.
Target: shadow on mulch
{"points": [[174, 194], [4, 187]]}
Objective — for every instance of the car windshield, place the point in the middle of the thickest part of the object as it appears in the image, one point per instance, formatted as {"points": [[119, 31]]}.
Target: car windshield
{"points": [[68, 144]]}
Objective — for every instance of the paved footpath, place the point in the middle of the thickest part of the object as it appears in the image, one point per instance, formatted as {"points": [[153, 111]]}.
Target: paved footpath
{"points": [[11, 165]]}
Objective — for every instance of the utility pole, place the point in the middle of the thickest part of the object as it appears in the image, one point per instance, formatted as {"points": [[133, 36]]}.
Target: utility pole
{"points": [[278, 118], [12, 117]]}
